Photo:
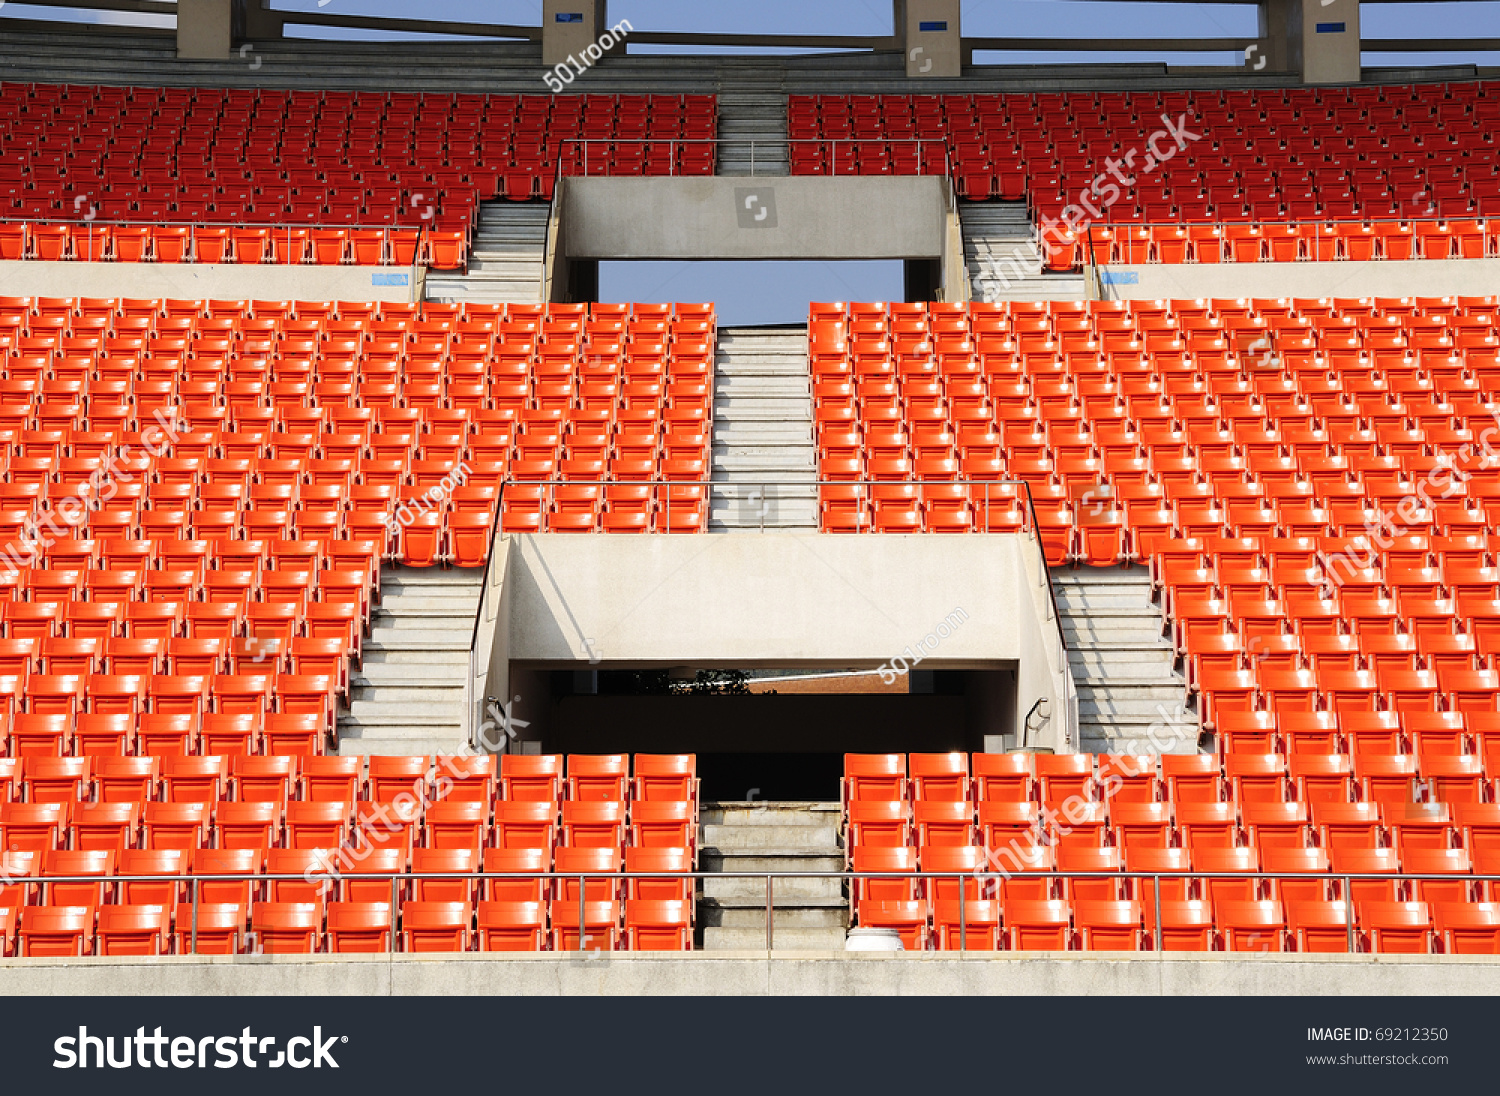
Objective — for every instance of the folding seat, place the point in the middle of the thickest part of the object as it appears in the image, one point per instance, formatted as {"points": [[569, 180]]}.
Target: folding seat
{"points": [[1365, 861], [125, 779], [393, 776], [1276, 824], [593, 824], [1480, 823], [1467, 928], [1256, 778], [445, 861], [1453, 778], [531, 777], [1141, 825], [1444, 862], [525, 825], [83, 863], [1207, 825], [1038, 925], [194, 779], [1395, 927], [297, 733], [457, 825], [57, 779], [600, 926], [1004, 777], [663, 824], [210, 928], [939, 777], [286, 927], [1186, 926], [252, 825], [1387, 779], [323, 779], [600, 778], [1065, 776], [1374, 733], [39, 736], [107, 826], [1124, 778], [1192, 778], [316, 825], [55, 931]]}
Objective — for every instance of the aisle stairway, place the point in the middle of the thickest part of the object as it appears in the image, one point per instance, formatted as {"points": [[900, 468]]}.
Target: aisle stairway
{"points": [[762, 431], [752, 120], [1121, 661], [407, 697], [505, 262], [1004, 263], [807, 914]]}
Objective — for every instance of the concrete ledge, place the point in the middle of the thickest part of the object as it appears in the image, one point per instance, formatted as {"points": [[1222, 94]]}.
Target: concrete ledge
{"points": [[211, 281], [764, 217], [759, 974], [1409, 278]]}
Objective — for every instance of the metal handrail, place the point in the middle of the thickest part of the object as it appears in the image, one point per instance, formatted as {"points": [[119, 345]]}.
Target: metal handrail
{"points": [[276, 230], [193, 880], [787, 144]]}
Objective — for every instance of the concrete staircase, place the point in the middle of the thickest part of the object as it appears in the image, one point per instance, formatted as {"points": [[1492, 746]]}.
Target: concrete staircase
{"points": [[762, 431], [505, 263], [1003, 264], [1122, 664], [806, 914], [752, 120], [407, 698]]}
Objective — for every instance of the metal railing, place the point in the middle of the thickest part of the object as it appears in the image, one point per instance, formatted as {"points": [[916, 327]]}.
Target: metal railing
{"points": [[1016, 491], [980, 882], [778, 147], [285, 244], [1329, 245]]}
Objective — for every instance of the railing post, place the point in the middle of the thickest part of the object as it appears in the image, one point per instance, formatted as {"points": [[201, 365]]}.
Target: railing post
{"points": [[1156, 898], [1349, 915], [770, 920], [582, 916], [193, 947], [963, 927], [395, 910]]}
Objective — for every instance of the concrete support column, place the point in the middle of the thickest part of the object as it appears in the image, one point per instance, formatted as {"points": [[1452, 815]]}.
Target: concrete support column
{"points": [[1330, 42], [255, 22], [1315, 39], [930, 36], [205, 29], [569, 27], [1278, 48]]}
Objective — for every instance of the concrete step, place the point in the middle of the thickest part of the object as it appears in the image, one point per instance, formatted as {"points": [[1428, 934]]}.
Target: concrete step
{"points": [[749, 916], [798, 940]]}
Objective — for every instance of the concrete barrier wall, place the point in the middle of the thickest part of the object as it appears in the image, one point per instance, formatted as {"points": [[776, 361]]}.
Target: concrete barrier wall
{"points": [[767, 600], [1415, 277], [849, 217], [758, 974], [210, 281]]}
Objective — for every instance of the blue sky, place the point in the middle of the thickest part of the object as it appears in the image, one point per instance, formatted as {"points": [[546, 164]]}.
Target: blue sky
{"points": [[779, 292]]}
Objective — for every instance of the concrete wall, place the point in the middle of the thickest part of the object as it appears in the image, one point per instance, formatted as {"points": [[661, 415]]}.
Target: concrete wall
{"points": [[203, 281], [1330, 42], [567, 38], [791, 600], [204, 29], [932, 37], [490, 660], [854, 217], [1424, 277], [757, 974]]}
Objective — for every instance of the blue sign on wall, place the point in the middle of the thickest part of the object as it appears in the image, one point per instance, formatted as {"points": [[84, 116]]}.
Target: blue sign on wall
{"points": [[1120, 277], [1330, 28], [390, 279], [934, 25], [570, 17]]}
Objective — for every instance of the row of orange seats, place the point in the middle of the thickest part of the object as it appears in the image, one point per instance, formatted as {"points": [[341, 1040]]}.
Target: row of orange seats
{"points": [[1318, 241], [1342, 734], [1253, 926], [344, 928], [177, 776], [135, 876], [62, 822], [119, 738]]}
